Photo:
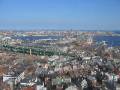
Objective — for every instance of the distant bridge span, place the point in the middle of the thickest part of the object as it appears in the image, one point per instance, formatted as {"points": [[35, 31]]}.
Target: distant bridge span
{"points": [[34, 51]]}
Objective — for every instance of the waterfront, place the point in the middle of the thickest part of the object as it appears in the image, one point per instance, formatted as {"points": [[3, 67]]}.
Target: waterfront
{"points": [[110, 40], [31, 38]]}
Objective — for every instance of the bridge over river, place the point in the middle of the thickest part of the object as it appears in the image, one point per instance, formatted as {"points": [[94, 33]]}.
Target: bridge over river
{"points": [[42, 51]]}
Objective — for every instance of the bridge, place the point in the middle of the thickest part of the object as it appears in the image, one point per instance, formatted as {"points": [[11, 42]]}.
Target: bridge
{"points": [[41, 51]]}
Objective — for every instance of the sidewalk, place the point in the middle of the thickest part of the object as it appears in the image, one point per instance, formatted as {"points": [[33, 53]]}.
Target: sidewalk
{"points": [[118, 87]]}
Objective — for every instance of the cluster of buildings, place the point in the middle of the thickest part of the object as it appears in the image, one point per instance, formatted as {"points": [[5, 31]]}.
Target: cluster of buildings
{"points": [[85, 65]]}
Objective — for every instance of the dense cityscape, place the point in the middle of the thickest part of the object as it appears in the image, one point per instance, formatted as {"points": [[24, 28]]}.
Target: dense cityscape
{"points": [[59, 44], [58, 60]]}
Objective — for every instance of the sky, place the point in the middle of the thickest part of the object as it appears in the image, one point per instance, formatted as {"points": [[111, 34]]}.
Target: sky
{"points": [[60, 14]]}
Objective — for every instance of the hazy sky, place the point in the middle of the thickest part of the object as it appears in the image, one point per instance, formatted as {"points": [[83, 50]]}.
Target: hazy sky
{"points": [[60, 14]]}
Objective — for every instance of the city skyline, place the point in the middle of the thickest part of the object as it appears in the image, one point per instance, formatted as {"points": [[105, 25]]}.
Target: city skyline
{"points": [[62, 14]]}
